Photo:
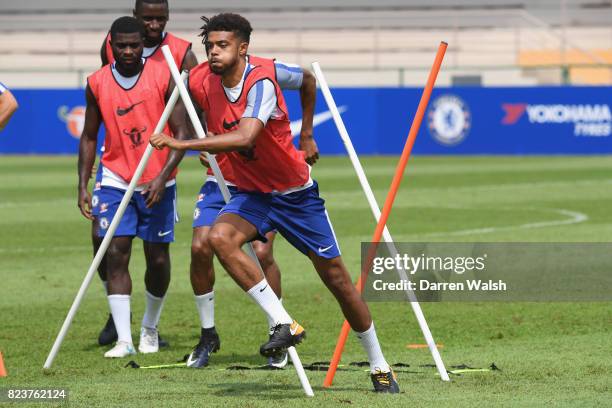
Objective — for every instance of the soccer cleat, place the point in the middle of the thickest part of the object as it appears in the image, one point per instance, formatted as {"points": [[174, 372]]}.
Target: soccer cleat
{"points": [[108, 335], [121, 349], [209, 343], [282, 337], [385, 382], [149, 340], [279, 361]]}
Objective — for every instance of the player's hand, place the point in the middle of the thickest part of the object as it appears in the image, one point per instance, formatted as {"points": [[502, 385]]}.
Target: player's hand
{"points": [[310, 148], [154, 191], [159, 141], [84, 203], [204, 159]]}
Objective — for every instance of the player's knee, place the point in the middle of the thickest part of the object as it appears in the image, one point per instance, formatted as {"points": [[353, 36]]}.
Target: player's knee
{"points": [[220, 240], [159, 262], [264, 254], [201, 249], [337, 277], [117, 256]]}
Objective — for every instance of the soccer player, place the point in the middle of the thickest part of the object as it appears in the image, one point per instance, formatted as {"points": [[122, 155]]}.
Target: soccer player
{"points": [[8, 105], [154, 15], [275, 190], [129, 97], [209, 203]]}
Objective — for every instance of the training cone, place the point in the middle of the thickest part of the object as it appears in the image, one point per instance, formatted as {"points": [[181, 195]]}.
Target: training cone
{"points": [[2, 369]]}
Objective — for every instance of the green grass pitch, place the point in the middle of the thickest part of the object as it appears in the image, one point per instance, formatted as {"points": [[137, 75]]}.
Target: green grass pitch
{"points": [[550, 354]]}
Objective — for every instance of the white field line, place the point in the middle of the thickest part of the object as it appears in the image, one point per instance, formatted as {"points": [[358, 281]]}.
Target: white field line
{"points": [[573, 217]]}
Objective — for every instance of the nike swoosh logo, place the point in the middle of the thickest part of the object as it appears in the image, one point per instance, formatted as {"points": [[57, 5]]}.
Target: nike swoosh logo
{"points": [[122, 111], [321, 250], [190, 361], [163, 234], [229, 126], [317, 119], [264, 288]]}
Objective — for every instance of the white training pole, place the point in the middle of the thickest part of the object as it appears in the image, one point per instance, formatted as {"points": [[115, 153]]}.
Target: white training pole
{"points": [[416, 307], [111, 231], [195, 120]]}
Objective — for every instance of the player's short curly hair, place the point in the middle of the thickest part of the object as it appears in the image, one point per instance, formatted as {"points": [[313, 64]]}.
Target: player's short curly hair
{"points": [[126, 25], [226, 22]]}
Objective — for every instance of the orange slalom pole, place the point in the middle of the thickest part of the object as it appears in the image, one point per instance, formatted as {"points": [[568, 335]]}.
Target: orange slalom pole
{"points": [[386, 211]]}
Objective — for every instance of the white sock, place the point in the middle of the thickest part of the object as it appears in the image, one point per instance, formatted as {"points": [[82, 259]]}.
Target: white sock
{"points": [[265, 297], [271, 323], [120, 309], [105, 284], [206, 308], [153, 310], [370, 344]]}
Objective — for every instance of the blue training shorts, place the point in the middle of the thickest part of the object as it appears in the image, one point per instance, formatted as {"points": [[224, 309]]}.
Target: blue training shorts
{"points": [[95, 198], [210, 201], [150, 224], [300, 217]]}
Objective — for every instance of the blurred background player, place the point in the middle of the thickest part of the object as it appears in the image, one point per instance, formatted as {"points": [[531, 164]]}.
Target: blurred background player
{"points": [[129, 97], [210, 202], [8, 105], [154, 15], [275, 190]]}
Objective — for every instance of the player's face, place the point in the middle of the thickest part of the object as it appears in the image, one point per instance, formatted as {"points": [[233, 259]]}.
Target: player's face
{"points": [[224, 50], [154, 17], [127, 50]]}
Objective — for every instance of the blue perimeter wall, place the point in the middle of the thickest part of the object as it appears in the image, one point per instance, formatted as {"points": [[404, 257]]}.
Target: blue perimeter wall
{"points": [[461, 120]]}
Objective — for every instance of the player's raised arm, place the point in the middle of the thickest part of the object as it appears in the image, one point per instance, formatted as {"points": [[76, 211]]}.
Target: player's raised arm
{"points": [[291, 76], [308, 93], [260, 107], [87, 151], [242, 138]]}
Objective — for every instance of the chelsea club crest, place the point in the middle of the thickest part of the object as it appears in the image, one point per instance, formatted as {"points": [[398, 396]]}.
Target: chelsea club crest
{"points": [[449, 120]]}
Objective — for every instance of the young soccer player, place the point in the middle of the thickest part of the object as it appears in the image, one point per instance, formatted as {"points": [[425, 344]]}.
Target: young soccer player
{"points": [[129, 97], [275, 190], [154, 15], [210, 202]]}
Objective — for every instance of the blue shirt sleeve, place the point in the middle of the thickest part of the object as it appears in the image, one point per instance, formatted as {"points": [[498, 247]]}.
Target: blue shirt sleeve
{"points": [[288, 76], [261, 101]]}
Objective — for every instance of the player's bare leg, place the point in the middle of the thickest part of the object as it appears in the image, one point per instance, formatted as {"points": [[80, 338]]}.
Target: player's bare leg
{"points": [[265, 254], [201, 271], [108, 334], [334, 274], [226, 237], [157, 280], [202, 275], [119, 291]]}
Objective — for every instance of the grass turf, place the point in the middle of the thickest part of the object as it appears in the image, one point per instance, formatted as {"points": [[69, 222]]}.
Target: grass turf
{"points": [[554, 354]]}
